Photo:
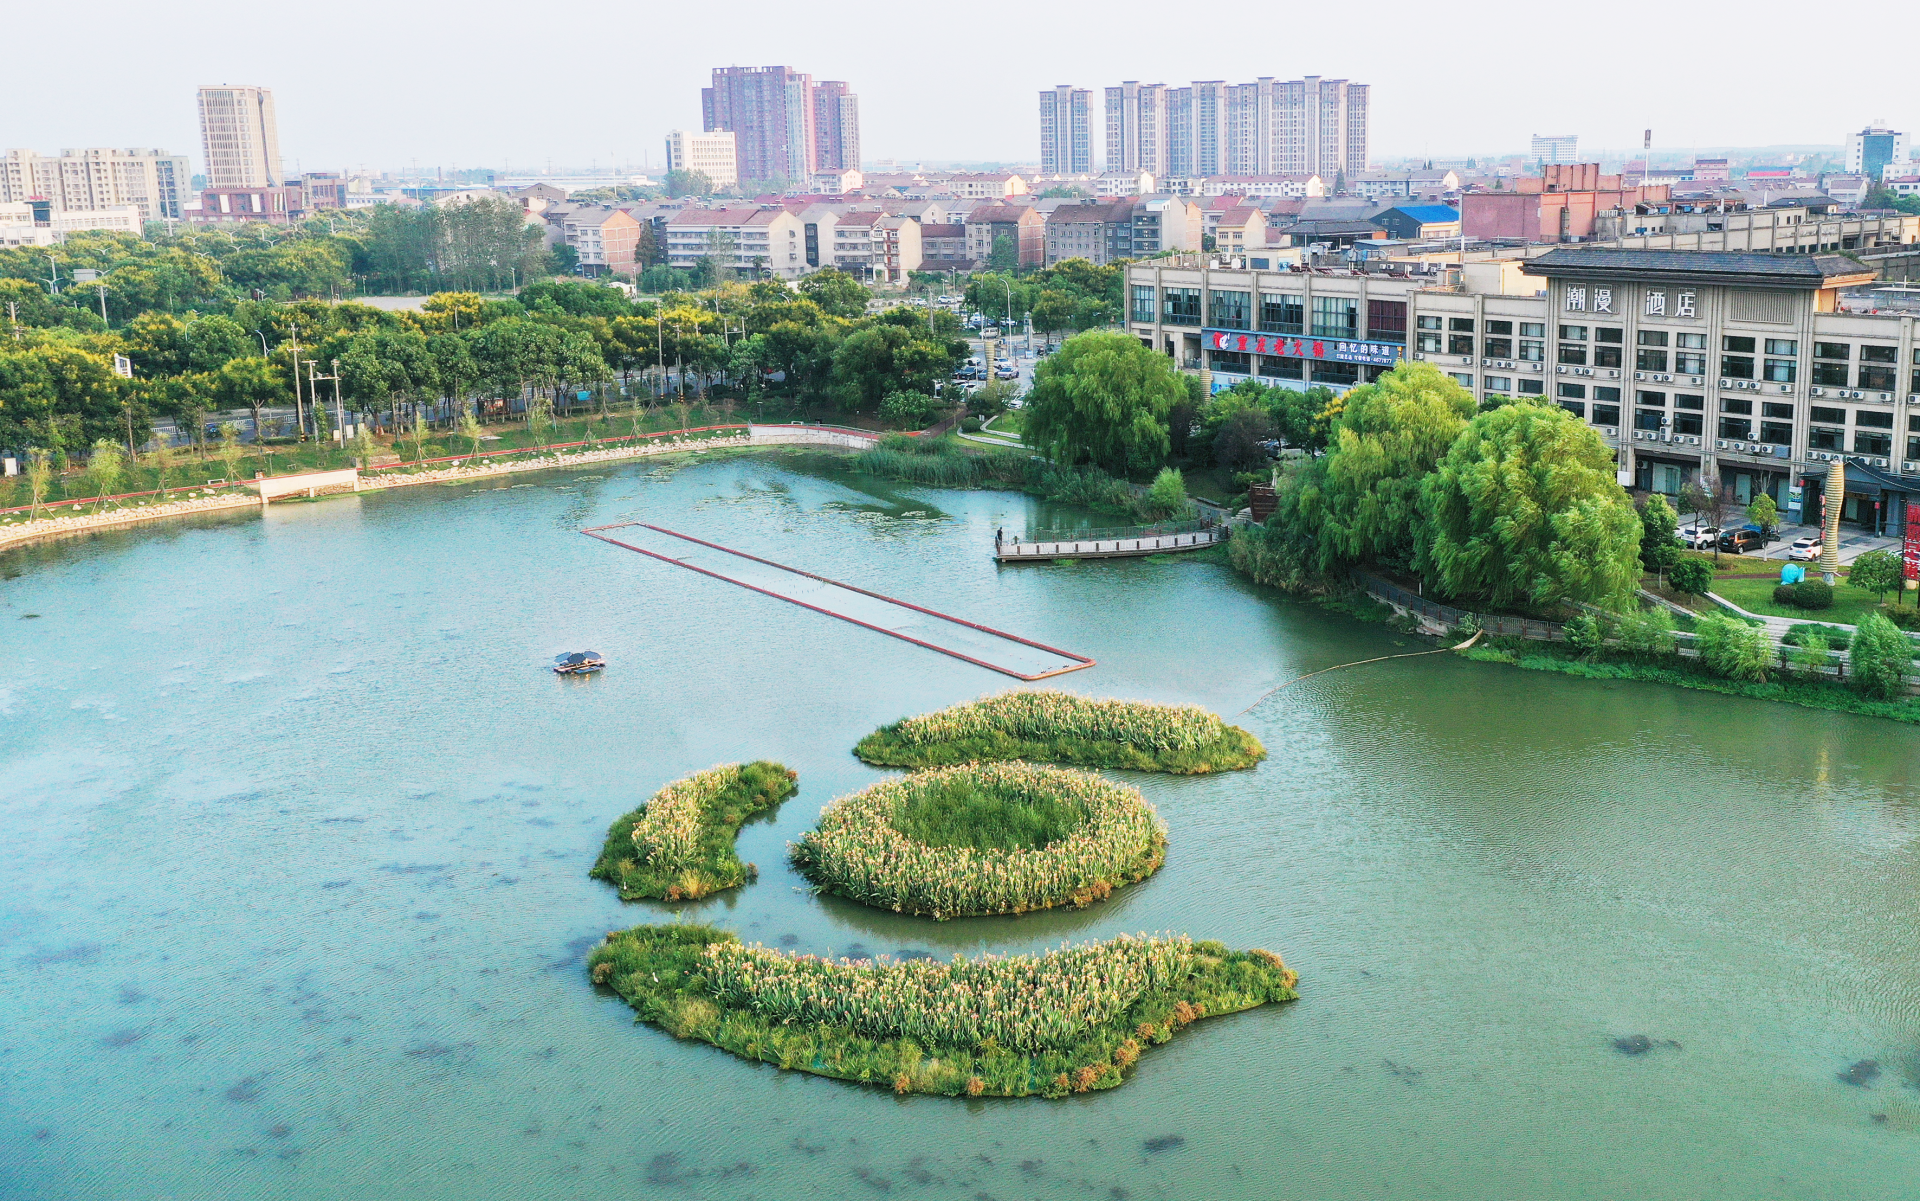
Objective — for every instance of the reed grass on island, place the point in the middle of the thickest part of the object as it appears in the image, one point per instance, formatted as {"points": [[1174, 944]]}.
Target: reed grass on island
{"points": [[983, 839], [1059, 727], [1072, 1020], [679, 845]]}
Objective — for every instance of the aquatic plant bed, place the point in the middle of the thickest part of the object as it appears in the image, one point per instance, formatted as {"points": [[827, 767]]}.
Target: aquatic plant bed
{"points": [[1071, 1020], [983, 839], [1682, 673], [1059, 727], [679, 845]]}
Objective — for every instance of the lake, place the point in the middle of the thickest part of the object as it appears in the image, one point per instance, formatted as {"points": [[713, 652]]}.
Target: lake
{"points": [[299, 823]]}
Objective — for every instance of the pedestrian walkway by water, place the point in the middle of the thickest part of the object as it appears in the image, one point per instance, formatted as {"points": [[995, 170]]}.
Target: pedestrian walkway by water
{"points": [[985, 646]]}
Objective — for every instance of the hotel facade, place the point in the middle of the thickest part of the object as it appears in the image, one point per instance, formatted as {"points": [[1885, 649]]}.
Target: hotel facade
{"points": [[1739, 367]]}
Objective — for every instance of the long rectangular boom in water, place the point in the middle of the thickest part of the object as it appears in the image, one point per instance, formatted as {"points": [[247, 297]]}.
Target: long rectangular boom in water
{"points": [[996, 650]]}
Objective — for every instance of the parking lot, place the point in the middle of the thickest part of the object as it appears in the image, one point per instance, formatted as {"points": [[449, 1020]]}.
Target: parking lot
{"points": [[1854, 542]]}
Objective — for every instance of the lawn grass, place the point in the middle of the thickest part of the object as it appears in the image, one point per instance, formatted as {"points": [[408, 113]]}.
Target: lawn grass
{"points": [[707, 862], [1685, 673], [1850, 604], [1012, 423], [983, 839], [1056, 727], [669, 977]]}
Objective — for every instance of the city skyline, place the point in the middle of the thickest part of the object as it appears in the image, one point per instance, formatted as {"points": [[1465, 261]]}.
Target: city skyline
{"points": [[1619, 85]]}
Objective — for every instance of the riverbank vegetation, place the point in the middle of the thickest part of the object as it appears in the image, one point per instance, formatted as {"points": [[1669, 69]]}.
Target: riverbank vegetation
{"points": [[983, 839], [1794, 685], [239, 327], [679, 845], [1072, 1020], [1060, 727], [1516, 508]]}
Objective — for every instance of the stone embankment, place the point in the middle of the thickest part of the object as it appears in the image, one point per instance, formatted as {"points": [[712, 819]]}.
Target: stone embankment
{"points": [[206, 501]]}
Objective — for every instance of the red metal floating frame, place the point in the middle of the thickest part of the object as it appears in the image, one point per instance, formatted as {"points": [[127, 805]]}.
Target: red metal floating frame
{"points": [[1081, 662]]}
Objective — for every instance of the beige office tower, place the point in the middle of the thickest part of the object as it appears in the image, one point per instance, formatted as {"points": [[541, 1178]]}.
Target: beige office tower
{"points": [[239, 137]]}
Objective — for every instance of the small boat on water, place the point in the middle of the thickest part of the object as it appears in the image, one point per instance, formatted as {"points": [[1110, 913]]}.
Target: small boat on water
{"points": [[578, 663]]}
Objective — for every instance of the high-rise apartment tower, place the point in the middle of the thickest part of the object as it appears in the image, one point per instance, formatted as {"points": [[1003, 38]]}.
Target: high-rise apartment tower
{"points": [[836, 127], [1066, 131], [784, 125], [1310, 126], [239, 137]]}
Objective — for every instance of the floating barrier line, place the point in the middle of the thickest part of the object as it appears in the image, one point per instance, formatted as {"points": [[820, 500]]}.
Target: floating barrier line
{"points": [[1079, 662], [1360, 663]]}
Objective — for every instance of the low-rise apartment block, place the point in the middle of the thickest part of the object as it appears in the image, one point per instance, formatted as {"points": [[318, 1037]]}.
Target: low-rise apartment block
{"points": [[1740, 366], [987, 223], [712, 154], [152, 181], [38, 223], [750, 241]]}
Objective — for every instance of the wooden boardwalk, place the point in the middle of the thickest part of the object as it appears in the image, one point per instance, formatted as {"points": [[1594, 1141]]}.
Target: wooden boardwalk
{"points": [[1012, 551]]}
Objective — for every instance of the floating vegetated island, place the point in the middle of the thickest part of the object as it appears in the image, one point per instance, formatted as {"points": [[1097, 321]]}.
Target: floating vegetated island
{"points": [[1071, 1020], [983, 839], [678, 846], [1060, 727]]}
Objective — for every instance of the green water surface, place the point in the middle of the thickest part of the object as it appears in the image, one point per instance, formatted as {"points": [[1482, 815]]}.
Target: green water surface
{"points": [[297, 828]]}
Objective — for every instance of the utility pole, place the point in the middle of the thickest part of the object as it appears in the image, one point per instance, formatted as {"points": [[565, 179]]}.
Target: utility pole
{"points": [[299, 418], [103, 306], [53, 276]]}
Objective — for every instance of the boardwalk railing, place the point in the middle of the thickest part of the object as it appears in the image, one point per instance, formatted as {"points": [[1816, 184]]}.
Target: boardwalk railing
{"points": [[1153, 530], [1497, 625], [1015, 550]]}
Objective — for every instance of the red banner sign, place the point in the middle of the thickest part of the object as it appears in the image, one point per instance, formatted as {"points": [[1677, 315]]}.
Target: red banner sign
{"points": [[1912, 554]]}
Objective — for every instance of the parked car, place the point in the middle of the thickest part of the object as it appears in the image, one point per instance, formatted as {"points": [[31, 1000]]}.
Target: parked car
{"points": [[1805, 550], [1699, 537], [1742, 541], [1004, 372]]}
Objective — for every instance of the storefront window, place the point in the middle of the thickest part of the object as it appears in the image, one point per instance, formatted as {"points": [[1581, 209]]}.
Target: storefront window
{"points": [[1230, 310], [1180, 306], [1335, 317], [1280, 314], [1143, 302]]}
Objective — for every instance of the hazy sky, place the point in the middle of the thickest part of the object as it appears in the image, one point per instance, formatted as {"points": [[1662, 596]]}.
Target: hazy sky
{"points": [[488, 83]]}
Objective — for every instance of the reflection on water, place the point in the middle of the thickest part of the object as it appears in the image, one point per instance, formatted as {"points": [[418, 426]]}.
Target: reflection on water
{"points": [[296, 902]]}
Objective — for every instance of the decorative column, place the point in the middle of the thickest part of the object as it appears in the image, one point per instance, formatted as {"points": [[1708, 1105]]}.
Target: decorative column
{"points": [[1833, 499]]}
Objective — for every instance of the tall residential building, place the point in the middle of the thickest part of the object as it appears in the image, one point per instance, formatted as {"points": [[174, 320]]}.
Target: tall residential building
{"points": [[1138, 133], [1551, 149], [784, 125], [836, 127], [90, 180], [1310, 126], [1066, 131], [239, 137], [1320, 127], [711, 154], [1873, 148]]}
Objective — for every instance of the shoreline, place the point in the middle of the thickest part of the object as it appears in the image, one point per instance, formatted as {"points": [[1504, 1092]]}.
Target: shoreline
{"points": [[381, 481]]}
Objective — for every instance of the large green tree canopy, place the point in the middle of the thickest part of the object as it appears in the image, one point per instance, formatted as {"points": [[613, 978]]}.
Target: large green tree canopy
{"points": [[1104, 399], [1525, 510], [1361, 501]]}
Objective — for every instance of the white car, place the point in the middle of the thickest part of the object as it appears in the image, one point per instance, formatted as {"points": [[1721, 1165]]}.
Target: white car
{"points": [[1805, 550], [1700, 537]]}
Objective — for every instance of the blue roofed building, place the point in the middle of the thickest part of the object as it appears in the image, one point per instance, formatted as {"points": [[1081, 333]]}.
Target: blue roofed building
{"points": [[1419, 222]]}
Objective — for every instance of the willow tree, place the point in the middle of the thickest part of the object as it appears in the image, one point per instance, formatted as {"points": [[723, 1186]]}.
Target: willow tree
{"points": [[1525, 510], [1360, 502]]}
